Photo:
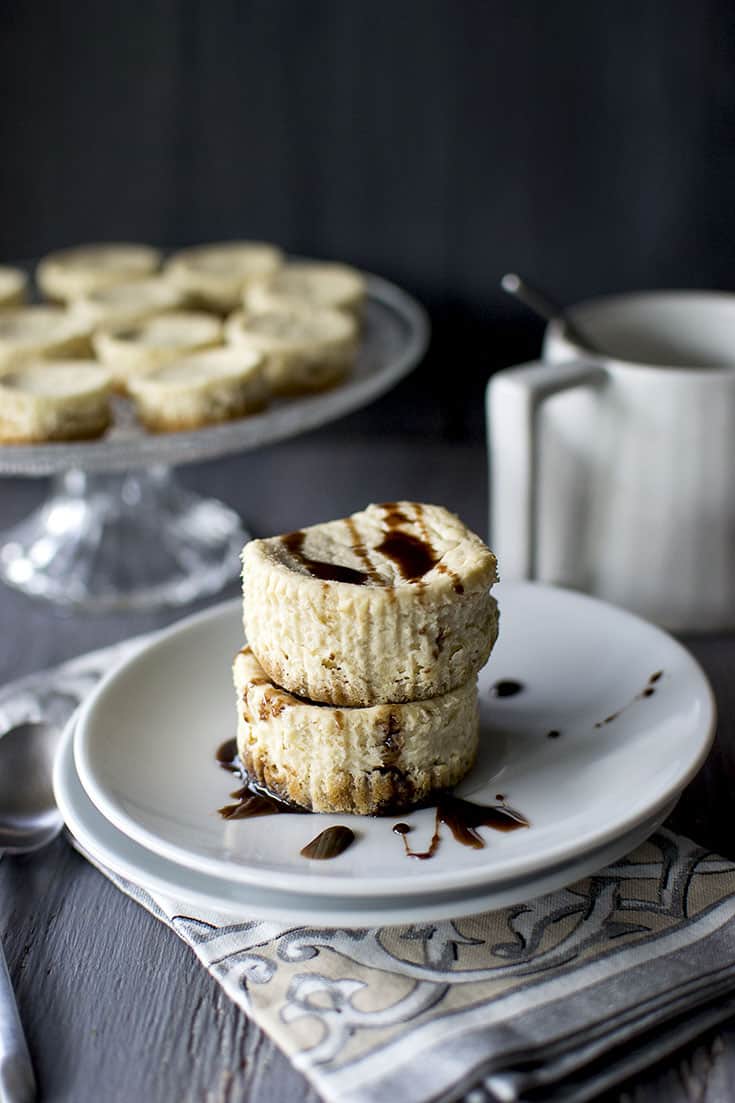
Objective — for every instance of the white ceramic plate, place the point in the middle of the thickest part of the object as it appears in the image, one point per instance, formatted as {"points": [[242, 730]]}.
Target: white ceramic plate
{"points": [[146, 741], [206, 894]]}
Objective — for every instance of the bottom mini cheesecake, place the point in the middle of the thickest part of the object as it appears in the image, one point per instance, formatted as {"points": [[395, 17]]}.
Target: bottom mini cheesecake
{"points": [[362, 760]]}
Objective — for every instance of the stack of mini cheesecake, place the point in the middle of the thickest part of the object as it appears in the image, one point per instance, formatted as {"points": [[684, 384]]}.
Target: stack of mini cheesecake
{"points": [[357, 691]]}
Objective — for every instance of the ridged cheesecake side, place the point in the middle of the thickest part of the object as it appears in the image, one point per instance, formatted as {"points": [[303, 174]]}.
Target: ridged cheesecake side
{"points": [[389, 605], [305, 348], [357, 760]]}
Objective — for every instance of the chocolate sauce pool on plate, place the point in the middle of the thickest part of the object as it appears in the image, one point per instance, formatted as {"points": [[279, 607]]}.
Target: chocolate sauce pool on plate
{"points": [[508, 687], [251, 799], [462, 817], [329, 844]]}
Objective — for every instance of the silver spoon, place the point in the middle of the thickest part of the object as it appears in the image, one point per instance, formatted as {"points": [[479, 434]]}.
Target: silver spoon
{"points": [[546, 308], [29, 819]]}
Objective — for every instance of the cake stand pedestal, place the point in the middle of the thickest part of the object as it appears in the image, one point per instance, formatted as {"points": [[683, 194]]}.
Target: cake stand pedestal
{"points": [[137, 540], [118, 531]]}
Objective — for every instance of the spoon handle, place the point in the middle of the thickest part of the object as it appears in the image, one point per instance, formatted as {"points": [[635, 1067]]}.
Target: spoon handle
{"points": [[545, 307], [17, 1082]]}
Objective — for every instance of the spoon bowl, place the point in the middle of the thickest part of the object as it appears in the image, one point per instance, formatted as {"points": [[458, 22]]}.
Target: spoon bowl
{"points": [[29, 818]]}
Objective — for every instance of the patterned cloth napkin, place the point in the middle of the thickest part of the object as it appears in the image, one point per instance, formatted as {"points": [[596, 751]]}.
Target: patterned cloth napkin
{"points": [[558, 999]]}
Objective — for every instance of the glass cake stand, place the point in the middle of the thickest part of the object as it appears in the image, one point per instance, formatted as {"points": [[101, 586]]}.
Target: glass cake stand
{"points": [[119, 531]]}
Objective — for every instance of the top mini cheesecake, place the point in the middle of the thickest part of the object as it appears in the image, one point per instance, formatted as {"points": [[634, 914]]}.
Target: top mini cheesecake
{"points": [[391, 604]]}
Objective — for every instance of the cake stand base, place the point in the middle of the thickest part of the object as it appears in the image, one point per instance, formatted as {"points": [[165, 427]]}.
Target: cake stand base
{"points": [[137, 540]]}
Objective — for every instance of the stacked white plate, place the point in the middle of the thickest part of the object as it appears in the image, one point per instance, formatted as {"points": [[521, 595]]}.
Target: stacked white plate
{"points": [[612, 719]]}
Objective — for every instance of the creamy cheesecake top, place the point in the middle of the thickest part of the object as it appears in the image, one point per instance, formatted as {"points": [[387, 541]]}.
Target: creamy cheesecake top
{"points": [[290, 327], [385, 546], [56, 379], [202, 370], [177, 329], [31, 324]]}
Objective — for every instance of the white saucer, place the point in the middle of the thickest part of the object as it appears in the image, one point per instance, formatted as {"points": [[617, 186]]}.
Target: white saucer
{"points": [[146, 741], [210, 897]]}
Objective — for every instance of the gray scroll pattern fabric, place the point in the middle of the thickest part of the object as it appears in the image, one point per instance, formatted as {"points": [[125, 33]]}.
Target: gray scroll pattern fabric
{"points": [[551, 1000]]}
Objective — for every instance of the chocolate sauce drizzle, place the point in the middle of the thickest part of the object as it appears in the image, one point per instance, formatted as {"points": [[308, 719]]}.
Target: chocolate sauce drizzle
{"points": [[648, 691], [329, 844], [393, 516], [413, 557], [463, 818], [362, 553], [328, 572]]}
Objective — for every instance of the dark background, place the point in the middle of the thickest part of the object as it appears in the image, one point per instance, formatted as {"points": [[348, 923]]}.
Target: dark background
{"points": [[590, 146]]}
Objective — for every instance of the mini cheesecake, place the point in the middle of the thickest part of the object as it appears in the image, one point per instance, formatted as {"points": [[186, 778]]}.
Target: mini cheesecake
{"points": [[72, 273], [125, 304], [305, 350], [30, 332], [391, 604], [131, 351], [360, 760], [309, 284], [212, 386], [13, 286], [54, 400], [216, 276]]}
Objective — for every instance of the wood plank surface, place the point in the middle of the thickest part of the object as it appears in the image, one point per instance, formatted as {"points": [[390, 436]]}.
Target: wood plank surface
{"points": [[115, 1006]]}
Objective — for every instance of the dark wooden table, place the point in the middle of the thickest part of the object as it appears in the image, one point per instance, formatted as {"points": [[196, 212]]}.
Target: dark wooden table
{"points": [[114, 1006]]}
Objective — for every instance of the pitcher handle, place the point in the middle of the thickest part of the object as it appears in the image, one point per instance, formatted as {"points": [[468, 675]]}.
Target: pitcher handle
{"points": [[513, 401]]}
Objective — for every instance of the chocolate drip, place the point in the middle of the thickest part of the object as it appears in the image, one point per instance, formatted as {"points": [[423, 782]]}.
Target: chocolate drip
{"points": [[413, 557], [362, 553], [421, 522], [648, 691], [328, 572], [329, 844], [251, 800], [506, 688], [392, 740], [463, 818], [394, 517], [401, 828], [251, 803], [422, 855], [456, 580], [227, 756]]}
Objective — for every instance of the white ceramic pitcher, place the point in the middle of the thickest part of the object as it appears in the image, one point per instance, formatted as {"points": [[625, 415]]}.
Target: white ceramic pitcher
{"points": [[616, 474]]}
